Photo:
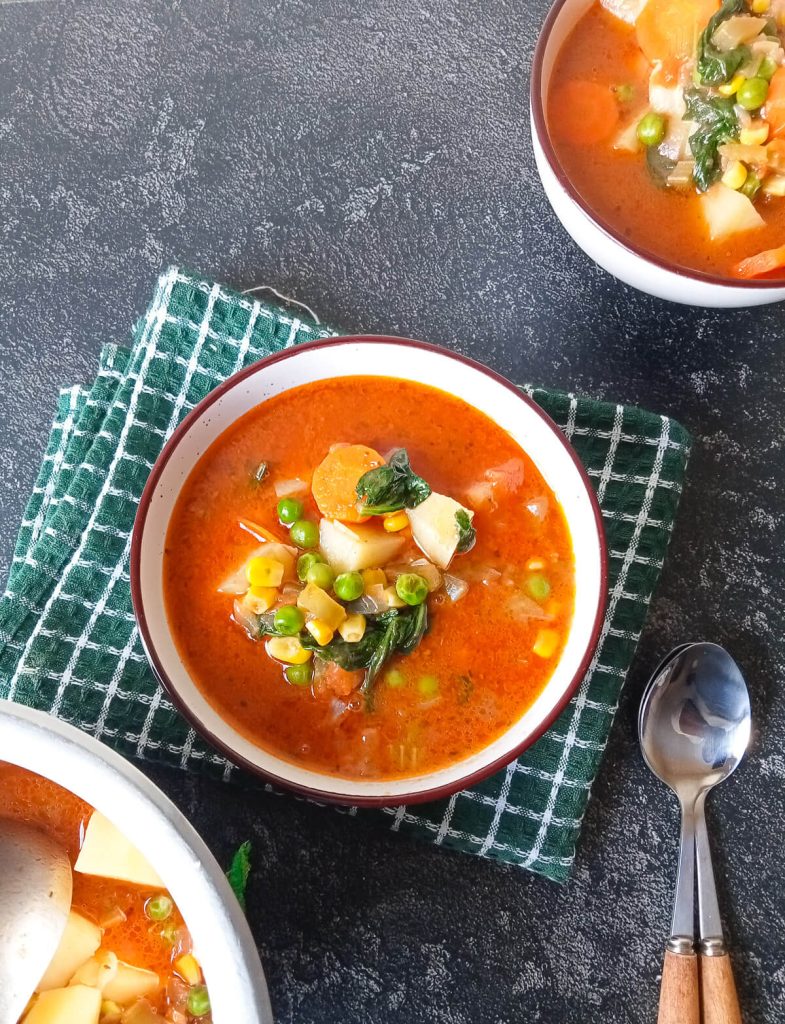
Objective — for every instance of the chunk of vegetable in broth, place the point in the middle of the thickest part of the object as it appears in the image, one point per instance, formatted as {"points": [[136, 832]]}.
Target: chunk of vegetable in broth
{"points": [[583, 113], [436, 529], [728, 212], [237, 581], [354, 548], [334, 484], [668, 30]]}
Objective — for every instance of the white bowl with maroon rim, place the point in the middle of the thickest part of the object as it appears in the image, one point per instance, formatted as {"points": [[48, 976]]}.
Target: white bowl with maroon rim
{"points": [[597, 236], [398, 358], [221, 937]]}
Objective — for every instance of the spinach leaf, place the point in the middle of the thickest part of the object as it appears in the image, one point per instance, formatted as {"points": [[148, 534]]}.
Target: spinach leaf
{"points": [[717, 124], [398, 630], [239, 870], [467, 535], [391, 487], [715, 66]]}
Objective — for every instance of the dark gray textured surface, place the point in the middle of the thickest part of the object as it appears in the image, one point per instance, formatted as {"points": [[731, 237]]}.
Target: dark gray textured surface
{"points": [[373, 159]]}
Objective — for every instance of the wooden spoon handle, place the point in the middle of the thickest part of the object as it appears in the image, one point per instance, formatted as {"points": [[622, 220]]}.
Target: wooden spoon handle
{"points": [[719, 1002], [679, 999]]}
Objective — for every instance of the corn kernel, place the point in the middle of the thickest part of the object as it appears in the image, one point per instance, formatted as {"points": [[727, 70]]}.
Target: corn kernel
{"points": [[754, 136], [395, 521], [546, 643], [735, 175], [352, 628], [260, 599], [264, 572], [287, 649], [390, 595], [732, 87], [188, 968], [535, 565], [111, 1013], [374, 578], [760, 6], [320, 631]]}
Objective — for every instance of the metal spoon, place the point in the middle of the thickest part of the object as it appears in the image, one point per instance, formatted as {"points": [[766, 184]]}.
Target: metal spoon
{"points": [[35, 897], [694, 727]]}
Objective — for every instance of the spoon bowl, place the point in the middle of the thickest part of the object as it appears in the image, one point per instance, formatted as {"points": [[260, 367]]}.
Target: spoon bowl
{"points": [[35, 897]]}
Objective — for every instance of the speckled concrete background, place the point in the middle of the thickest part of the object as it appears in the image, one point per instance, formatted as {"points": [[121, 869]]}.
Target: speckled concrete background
{"points": [[373, 159]]}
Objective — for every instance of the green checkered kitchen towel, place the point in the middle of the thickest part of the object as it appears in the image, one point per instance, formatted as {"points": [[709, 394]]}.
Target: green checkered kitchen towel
{"points": [[69, 644]]}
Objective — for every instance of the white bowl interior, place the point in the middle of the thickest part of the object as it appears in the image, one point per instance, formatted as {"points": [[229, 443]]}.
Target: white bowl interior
{"points": [[220, 933], [428, 366]]}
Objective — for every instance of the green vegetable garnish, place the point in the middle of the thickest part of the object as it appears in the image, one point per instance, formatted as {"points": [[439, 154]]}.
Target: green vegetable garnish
{"points": [[752, 93], [304, 533], [467, 535], [717, 66], [395, 678], [304, 563], [198, 1002], [751, 185], [539, 587], [624, 93], [717, 124], [288, 620], [391, 487], [349, 586], [767, 68], [321, 575], [411, 588], [428, 686], [159, 907], [298, 675], [289, 510], [651, 129], [239, 870]]}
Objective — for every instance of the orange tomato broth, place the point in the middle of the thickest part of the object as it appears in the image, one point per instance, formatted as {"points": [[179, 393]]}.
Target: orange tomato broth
{"points": [[481, 656], [31, 798], [603, 50]]}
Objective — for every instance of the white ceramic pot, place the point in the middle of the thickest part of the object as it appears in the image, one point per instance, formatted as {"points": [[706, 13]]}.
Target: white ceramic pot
{"points": [[222, 939], [388, 357], [598, 238]]}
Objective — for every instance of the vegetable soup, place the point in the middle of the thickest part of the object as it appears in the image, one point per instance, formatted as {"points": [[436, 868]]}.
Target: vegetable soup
{"points": [[125, 956], [368, 577], [668, 116]]}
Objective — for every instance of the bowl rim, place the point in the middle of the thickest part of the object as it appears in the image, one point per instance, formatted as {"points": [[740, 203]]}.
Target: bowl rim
{"points": [[543, 137], [324, 795], [99, 775]]}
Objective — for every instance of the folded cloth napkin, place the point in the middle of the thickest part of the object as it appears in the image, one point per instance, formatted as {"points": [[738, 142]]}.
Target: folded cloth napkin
{"points": [[68, 640]]}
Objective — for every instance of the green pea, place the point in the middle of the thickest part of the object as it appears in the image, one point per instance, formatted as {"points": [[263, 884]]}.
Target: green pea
{"points": [[198, 1003], [428, 686], [395, 678], [751, 185], [289, 510], [349, 586], [539, 587], [289, 620], [304, 533], [651, 129], [752, 93], [298, 675], [624, 93], [159, 907], [321, 575], [767, 68], [411, 588], [169, 933], [304, 563]]}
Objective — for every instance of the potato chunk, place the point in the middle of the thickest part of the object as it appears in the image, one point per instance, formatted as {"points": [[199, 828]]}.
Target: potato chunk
{"points": [[131, 983], [107, 853], [76, 1005], [80, 940], [727, 212], [435, 528], [354, 548]]}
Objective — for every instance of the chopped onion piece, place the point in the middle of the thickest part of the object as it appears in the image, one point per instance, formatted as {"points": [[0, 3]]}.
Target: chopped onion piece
{"points": [[243, 617], [485, 574], [290, 488], [538, 507], [369, 603], [456, 588], [523, 608]]}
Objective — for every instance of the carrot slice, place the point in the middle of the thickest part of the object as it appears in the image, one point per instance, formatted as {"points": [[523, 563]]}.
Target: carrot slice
{"points": [[669, 29], [774, 109], [583, 113], [761, 263], [334, 483]]}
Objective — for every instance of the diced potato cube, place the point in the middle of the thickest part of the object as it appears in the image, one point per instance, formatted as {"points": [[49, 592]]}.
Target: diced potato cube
{"points": [[108, 854], [142, 1013], [130, 983], [98, 971], [320, 605], [76, 1005], [352, 629], [728, 213], [435, 528], [81, 938], [287, 649], [354, 548]]}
